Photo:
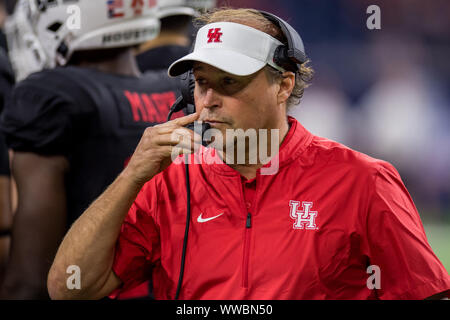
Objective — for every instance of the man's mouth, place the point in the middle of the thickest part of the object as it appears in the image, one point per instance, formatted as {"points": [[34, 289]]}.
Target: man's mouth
{"points": [[213, 122]]}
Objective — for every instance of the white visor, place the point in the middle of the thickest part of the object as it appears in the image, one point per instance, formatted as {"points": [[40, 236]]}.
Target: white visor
{"points": [[232, 47]]}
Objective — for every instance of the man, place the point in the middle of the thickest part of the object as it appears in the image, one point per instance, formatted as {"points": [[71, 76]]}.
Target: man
{"points": [[73, 125], [308, 230], [174, 39]]}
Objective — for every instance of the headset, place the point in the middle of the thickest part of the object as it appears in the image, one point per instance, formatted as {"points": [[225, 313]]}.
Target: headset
{"points": [[289, 56]]}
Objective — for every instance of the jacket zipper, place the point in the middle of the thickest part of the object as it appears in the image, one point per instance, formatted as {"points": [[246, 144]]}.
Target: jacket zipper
{"points": [[248, 226]]}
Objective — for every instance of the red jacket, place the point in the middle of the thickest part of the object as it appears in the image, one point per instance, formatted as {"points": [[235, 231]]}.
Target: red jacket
{"points": [[309, 232]]}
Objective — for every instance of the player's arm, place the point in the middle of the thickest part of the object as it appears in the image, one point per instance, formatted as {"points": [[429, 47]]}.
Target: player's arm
{"points": [[91, 240], [6, 85], [89, 245], [5, 207], [5, 222], [39, 224]]}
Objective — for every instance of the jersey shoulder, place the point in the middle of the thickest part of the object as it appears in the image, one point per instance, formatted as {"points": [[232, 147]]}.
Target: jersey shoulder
{"points": [[47, 94], [67, 83], [39, 115]]}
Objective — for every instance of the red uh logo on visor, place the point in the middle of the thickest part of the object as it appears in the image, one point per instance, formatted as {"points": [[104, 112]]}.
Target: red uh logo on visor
{"points": [[214, 35]]}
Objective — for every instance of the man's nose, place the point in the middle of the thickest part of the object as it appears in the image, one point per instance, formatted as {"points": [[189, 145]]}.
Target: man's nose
{"points": [[210, 99]]}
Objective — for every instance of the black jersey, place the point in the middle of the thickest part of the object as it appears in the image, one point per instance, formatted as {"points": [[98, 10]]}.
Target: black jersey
{"points": [[95, 119], [160, 57], [6, 85]]}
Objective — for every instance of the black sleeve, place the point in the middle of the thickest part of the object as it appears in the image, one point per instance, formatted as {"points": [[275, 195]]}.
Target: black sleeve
{"points": [[37, 119], [6, 85]]}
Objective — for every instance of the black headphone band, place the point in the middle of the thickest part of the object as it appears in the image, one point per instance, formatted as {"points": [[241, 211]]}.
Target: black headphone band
{"points": [[292, 55]]}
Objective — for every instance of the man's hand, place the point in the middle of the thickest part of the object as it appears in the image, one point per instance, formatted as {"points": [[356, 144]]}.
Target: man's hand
{"points": [[82, 246], [154, 152]]}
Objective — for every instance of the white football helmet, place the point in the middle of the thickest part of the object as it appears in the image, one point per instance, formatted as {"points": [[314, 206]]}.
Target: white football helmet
{"points": [[184, 7], [45, 33]]}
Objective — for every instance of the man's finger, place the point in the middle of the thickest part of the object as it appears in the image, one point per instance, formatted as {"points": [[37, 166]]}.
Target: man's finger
{"points": [[187, 134], [183, 121], [172, 140]]}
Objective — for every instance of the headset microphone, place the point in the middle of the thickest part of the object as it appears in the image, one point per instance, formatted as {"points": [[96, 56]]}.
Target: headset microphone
{"points": [[186, 100]]}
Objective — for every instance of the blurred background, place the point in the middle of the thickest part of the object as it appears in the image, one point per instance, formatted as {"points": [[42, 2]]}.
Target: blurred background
{"points": [[383, 92]]}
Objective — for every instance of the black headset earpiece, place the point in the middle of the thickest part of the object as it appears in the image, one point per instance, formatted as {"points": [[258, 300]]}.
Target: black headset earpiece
{"points": [[292, 55], [187, 91], [186, 100]]}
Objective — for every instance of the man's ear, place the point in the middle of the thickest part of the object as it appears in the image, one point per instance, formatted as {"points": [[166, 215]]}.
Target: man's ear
{"points": [[287, 84]]}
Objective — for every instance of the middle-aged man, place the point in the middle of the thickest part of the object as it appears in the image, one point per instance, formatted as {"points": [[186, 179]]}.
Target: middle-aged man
{"points": [[309, 230]]}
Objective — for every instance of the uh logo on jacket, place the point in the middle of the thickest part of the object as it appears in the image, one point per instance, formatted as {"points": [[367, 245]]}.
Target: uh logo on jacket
{"points": [[303, 214]]}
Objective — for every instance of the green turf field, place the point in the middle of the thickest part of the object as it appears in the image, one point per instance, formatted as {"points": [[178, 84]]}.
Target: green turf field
{"points": [[439, 238]]}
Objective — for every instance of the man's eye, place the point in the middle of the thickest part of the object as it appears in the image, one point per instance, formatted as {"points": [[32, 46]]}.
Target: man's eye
{"points": [[229, 81], [200, 81]]}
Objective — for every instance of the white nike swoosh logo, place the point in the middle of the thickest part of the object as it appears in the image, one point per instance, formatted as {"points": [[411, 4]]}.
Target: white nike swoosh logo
{"points": [[201, 220]]}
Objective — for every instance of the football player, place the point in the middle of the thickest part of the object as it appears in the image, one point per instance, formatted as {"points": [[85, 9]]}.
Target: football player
{"points": [[75, 122]]}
